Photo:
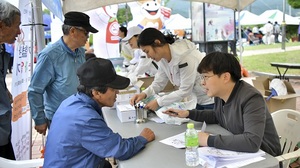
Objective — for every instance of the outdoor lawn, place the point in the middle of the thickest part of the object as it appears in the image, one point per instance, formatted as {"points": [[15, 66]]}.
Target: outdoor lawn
{"points": [[261, 63], [276, 45]]}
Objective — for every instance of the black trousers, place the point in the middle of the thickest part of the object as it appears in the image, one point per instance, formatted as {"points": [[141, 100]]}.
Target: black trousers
{"points": [[6, 151]]}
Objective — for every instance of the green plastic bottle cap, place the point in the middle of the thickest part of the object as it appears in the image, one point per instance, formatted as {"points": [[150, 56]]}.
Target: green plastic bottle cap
{"points": [[190, 125]]}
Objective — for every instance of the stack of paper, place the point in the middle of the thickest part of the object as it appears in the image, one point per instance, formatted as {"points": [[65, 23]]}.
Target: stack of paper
{"points": [[212, 157]]}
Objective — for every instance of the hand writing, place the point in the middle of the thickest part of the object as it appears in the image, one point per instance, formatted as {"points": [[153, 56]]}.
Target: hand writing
{"points": [[177, 113]]}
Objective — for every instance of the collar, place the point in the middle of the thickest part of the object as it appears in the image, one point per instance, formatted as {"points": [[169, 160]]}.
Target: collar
{"points": [[67, 48], [85, 98], [234, 90]]}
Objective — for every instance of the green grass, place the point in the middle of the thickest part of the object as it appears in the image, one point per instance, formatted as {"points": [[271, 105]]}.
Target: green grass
{"points": [[261, 63], [263, 46]]}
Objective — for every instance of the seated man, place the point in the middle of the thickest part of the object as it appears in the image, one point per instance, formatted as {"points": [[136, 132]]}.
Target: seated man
{"points": [[79, 135], [239, 108]]}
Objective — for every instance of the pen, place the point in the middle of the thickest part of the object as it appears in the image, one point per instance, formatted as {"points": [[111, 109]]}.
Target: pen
{"points": [[173, 112]]}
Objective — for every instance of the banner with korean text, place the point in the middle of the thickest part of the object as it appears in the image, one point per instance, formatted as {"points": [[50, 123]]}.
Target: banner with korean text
{"points": [[21, 117]]}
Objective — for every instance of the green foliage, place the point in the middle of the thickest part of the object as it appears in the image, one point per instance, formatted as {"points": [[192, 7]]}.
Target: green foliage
{"points": [[291, 31], [294, 3], [91, 37], [166, 2], [46, 11], [124, 15]]}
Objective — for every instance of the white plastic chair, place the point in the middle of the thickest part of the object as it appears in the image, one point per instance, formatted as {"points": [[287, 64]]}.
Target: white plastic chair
{"points": [[287, 123], [6, 163]]}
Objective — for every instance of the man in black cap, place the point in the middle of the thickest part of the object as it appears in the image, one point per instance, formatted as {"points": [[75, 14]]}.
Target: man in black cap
{"points": [[79, 135], [54, 78]]}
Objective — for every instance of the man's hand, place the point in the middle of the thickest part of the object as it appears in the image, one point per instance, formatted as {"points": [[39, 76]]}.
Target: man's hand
{"points": [[203, 137], [148, 134], [177, 113], [42, 129]]}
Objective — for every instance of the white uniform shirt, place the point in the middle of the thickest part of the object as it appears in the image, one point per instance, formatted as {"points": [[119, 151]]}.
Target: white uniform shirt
{"points": [[143, 65], [182, 72]]}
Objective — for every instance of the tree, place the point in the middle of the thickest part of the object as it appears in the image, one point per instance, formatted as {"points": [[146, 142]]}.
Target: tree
{"points": [[124, 15], [294, 3], [46, 11]]}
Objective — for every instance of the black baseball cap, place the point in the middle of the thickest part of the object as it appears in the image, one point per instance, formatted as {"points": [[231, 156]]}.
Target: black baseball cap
{"points": [[100, 72], [79, 19]]}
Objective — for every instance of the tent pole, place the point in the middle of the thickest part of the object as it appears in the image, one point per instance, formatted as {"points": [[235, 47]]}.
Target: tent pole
{"points": [[36, 16], [240, 32], [39, 29], [283, 24]]}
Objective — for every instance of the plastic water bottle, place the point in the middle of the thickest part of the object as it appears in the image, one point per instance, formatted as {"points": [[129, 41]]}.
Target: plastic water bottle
{"points": [[191, 144]]}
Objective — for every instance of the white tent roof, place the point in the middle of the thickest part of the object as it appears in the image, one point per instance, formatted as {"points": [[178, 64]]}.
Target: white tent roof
{"points": [[248, 18], [177, 21], [277, 15], [85, 5]]}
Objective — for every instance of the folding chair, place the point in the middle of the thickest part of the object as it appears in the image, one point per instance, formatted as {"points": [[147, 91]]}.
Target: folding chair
{"points": [[287, 123]]}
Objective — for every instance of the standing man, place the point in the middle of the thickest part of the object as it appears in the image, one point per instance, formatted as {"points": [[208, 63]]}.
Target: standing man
{"points": [[54, 78], [79, 135], [10, 20], [276, 31], [268, 32]]}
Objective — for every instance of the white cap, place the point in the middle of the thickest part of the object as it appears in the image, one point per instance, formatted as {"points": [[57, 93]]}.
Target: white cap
{"points": [[136, 56], [135, 30]]}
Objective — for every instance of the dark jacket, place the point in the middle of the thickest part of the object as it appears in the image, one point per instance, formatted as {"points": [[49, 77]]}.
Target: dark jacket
{"points": [[247, 117], [5, 106]]}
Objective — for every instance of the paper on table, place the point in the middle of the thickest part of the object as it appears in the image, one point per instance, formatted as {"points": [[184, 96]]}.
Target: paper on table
{"points": [[242, 162], [227, 154], [178, 140], [156, 119], [211, 157]]}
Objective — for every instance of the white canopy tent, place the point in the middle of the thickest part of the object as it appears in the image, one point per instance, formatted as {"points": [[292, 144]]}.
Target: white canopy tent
{"points": [[86, 5], [172, 23], [70, 5], [248, 18], [277, 15]]}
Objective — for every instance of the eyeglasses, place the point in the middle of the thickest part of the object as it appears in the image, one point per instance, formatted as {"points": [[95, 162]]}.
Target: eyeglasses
{"points": [[82, 30], [205, 77]]}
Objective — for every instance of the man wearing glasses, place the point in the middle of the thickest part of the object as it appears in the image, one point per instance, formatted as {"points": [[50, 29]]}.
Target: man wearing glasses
{"points": [[54, 78], [239, 108]]}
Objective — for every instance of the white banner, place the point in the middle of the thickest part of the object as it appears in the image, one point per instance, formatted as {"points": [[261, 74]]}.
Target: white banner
{"points": [[148, 13], [21, 117], [106, 41]]}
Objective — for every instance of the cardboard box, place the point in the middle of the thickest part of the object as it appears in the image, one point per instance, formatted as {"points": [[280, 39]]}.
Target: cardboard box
{"points": [[125, 112], [144, 82], [277, 102]]}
